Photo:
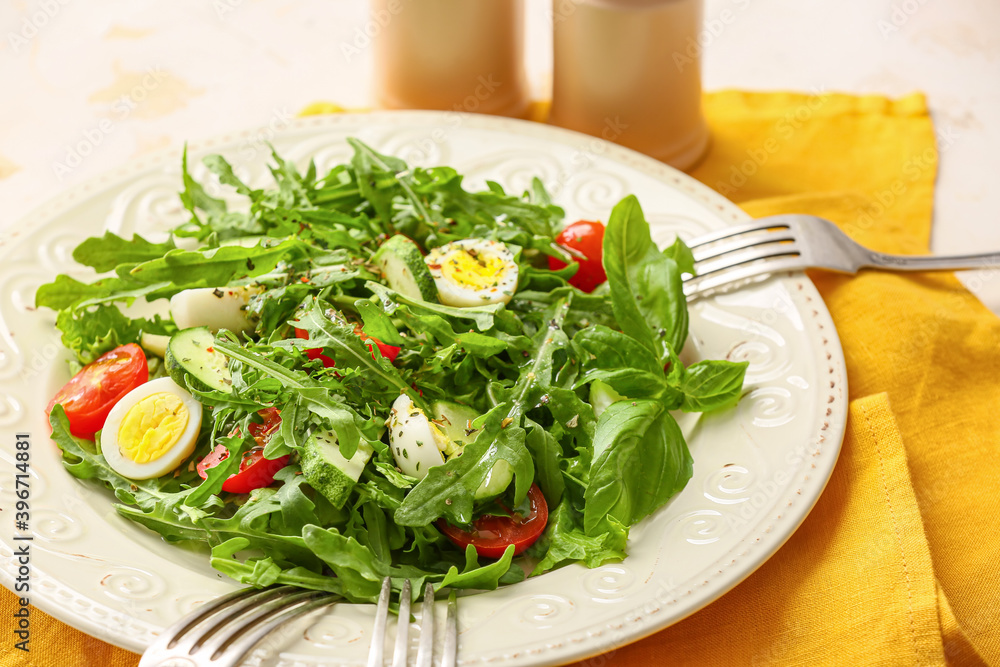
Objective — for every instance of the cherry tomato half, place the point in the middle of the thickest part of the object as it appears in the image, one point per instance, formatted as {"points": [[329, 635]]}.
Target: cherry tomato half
{"points": [[89, 396], [587, 238], [491, 535], [255, 471], [390, 352]]}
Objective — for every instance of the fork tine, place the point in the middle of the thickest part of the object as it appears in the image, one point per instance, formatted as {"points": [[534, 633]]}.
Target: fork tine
{"points": [[449, 653], [181, 637], [695, 286], [402, 626], [425, 652], [243, 642], [229, 629], [742, 242], [376, 654], [728, 232], [739, 257]]}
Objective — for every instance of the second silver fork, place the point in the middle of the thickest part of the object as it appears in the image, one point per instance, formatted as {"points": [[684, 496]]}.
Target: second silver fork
{"points": [[425, 649]]}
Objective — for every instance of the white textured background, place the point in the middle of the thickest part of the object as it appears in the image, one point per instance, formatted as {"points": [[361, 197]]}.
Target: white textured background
{"points": [[126, 77]]}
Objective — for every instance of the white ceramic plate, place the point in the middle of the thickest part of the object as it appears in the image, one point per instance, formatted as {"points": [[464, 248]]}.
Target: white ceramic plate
{"points": [[758, 468]]}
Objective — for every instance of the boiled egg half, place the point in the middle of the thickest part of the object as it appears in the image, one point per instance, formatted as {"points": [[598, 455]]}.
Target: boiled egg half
{"points": [[416, 442], [473, 272], [151, 430], [213, 307]]}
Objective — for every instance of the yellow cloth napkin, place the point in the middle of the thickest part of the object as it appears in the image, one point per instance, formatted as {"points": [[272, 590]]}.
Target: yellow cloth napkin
{"points": [[897, 564]]}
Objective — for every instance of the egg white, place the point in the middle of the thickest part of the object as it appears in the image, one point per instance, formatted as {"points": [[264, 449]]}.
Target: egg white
{"points": [[172, 458], [454, 291], [415, 442], [215, 308]]}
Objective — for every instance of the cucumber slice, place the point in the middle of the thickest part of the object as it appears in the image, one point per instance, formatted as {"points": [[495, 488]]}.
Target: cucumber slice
{"points": [[496, 482], [326, 469], [190, 353], [404, 269], [455, 420]]}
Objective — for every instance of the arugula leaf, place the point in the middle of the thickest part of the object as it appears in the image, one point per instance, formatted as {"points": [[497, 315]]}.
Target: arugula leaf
{"points": [[104, 253], [347, 349], [83, 460], [65, 292], [194, 197], [312, 395], [218, 266], [711, 385], [640, 462], [567, 542], [367, 163], [218, 474], [219, 166], [352, 562], [483, 316], [447, 490], [485, 578]]}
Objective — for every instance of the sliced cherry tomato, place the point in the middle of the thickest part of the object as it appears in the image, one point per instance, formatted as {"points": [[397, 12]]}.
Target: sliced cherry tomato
{"points": [[315, 352], [262, 432], [587, 238], [491, 535], [255, 471], [390, 352], [89, 396]]}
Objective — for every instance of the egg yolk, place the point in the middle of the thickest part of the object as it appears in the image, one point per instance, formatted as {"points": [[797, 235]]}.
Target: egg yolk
{"points": [[473, 270], [152, 426]]}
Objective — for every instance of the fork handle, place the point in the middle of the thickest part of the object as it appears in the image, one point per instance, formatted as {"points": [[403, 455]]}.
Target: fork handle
{"points": [[984, 260]]}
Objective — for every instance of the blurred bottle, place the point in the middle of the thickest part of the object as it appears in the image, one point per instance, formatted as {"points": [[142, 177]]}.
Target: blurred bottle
{"points": [[456, 55], [630, 71]]}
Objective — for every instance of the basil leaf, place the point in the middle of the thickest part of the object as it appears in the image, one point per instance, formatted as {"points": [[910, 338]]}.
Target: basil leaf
{"points": [[640, 462], [546, 452], [681, 254], [610, 349], [646, 288], [710, 385], [637, 384]]}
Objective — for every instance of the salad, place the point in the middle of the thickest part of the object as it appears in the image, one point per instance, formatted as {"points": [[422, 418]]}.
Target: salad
{"points": [[375, 372]]}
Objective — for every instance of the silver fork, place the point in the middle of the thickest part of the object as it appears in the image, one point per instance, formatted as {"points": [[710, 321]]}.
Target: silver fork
{"points": [[222, 632], [794, 242], [425, 649]]}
